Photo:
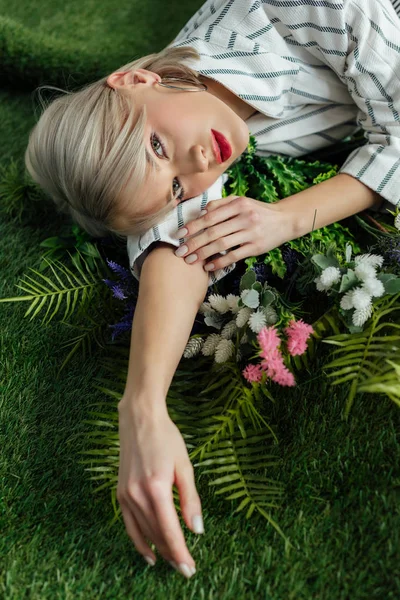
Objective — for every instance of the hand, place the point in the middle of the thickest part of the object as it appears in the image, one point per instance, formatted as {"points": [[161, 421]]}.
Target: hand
{"points": [[153, 456], [252, 226]]}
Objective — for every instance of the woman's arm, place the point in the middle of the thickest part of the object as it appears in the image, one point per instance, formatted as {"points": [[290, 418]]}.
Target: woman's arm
{"points": [[170, 295]]}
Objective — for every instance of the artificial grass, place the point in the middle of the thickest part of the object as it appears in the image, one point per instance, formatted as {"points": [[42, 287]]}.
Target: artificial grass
{"points": [[340, 511]]}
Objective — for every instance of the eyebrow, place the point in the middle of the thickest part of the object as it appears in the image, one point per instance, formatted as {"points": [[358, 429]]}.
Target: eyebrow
{"points": [[151, 161]]}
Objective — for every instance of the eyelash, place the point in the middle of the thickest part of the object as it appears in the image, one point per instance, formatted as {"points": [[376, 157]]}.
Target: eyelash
{"points": [[155, 136]]}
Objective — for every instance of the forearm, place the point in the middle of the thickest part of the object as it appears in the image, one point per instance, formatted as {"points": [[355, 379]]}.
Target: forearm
{"points": [[327, 202], [170, 295]]}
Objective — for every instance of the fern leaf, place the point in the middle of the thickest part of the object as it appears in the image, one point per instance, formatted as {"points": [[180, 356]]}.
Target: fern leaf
{"points": [[367, 372], [44, 290]]}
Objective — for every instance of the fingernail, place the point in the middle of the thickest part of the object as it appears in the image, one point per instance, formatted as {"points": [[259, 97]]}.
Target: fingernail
{"points": [[203, 212], [197, 524], [149, 560], [182, 250], [186, 570], [181, 232], [209, 267], [191, 258]]}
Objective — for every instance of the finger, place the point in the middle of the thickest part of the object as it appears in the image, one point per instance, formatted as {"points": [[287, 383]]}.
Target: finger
{"points": [[200, 223], [135, 533], [224, 242], [143, 511], [236, 254], [139, 503], [189, 499], [204, 244], [170, 528]]}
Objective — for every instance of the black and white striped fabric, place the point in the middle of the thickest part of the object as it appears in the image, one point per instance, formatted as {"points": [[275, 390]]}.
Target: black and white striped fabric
{"points": [[316, 71]]}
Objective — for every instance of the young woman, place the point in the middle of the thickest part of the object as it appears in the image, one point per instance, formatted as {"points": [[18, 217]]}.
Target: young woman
{"points": [[141, 152]]}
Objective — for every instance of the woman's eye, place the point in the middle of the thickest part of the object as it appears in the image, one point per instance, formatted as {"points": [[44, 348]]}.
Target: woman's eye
{"points": [[174, 191], [155, 138]]}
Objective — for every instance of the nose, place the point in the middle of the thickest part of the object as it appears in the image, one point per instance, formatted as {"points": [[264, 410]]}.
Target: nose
{"points": [[197, 161]]}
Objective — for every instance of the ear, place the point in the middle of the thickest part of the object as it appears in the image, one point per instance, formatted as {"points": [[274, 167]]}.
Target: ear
{"points": [[120, 79]]}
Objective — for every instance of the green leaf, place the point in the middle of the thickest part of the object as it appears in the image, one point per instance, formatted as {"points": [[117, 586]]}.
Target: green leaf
{"points": [[392, 286], [248, 279], [267, 298], [323, 261], [349, 280]]}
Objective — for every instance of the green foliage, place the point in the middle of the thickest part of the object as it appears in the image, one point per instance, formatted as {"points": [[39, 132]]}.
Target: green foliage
{"points": [[85, 286], [75, 240], [19, 195], [223, 427], [84, 295], [274, 178], [370, 360]]}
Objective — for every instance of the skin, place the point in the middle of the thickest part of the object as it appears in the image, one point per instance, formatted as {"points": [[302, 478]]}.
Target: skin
{"points": [[183, 121]]}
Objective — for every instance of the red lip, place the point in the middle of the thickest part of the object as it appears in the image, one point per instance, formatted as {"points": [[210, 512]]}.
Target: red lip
{"points": [[216, 149], [223, 144]]}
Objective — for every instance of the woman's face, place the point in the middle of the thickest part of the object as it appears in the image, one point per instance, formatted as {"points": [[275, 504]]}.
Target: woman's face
{"points": [[182, 121]]}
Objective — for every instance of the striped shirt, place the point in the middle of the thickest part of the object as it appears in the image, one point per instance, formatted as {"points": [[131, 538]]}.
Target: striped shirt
{"points": [[316, 71]]}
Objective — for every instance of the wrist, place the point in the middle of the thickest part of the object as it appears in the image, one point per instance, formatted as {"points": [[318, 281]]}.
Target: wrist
{"points": [[143, 405]]}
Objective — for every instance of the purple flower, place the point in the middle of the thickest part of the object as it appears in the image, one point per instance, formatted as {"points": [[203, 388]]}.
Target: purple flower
{"points": [[121, 271], [290, 257], [117, 290], [126, 322], [261, 271]]}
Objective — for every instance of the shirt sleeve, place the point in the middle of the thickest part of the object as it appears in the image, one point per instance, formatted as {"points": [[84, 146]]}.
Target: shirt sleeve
{"points": [[373, 78], [360, 41], [138, 246]]}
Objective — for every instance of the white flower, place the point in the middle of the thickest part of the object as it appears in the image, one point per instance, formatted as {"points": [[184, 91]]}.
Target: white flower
{"points": [[397, 222], [243, 316], [361, 299], [365, 271], [360, 315], [229, 330], [257, 321], [193, 347], [320, 286], [250, 298], [233, 303], [329, 276], [206, 308], [374, 287], [270, 315], [348, 252], [224, 351], [374, 260], [219, 303], [347, 301], [210, 344]]}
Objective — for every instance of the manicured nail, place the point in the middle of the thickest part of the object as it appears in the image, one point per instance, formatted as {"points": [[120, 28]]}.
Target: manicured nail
{"points": [[149, 560], [181, 232], [182, 250], [209, 267], [191, 258], [197, 524], [186, 570]]}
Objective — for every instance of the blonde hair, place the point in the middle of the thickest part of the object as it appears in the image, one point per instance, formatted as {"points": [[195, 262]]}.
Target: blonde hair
{"points": [[84, 148]]}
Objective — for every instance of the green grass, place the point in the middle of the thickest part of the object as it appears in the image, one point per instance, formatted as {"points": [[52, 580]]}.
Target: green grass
{"points": [[341, 509]]}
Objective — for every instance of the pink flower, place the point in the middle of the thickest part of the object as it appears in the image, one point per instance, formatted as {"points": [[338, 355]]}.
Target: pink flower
{"points": [[252, 373], [298, 333], [276, 370], [269, 340]]}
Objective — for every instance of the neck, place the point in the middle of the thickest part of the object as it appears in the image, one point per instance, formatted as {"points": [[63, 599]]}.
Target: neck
{"points": [[239, 106]]}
